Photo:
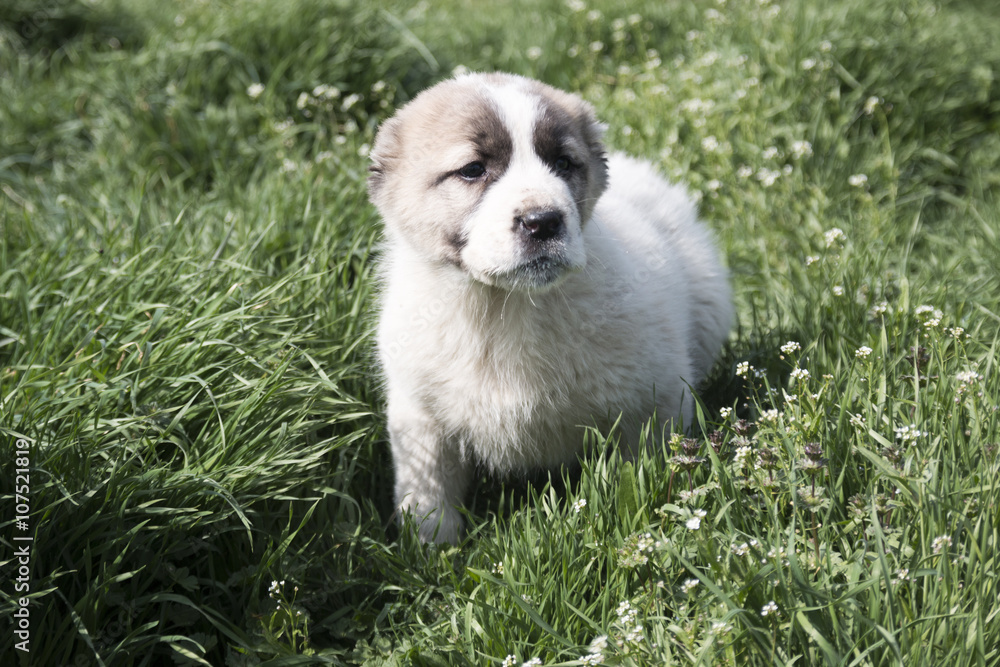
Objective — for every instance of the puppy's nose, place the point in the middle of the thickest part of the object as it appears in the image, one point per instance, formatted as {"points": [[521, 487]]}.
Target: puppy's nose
{"points": [[541, 225]]}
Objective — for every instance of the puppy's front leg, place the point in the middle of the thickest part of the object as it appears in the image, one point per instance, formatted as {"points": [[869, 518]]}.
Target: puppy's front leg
{"points": [[431, 476]]}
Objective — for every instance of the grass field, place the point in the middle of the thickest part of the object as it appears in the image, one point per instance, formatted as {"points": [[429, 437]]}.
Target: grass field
{"points": [[192, 433]]}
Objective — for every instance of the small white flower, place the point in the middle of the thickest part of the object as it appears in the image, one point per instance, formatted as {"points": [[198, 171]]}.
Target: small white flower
{"points": [[858, 421], [594, 15], [771, 416], [710, 144], [534, 53], [769, 608], [768, 177], [579, 505], [599, 644], [255, 90], [713, 185], [909, 433], [694, 523], [941, 543], [968, 377], [863, 352], [790, 347], [725, 412], [771, 152], [597, 46], [871, 103], [689, 585], [838, 290], [857, 180], [811, 259], [878, 310], [800, 374], [350, 101], [576, 5], [835, 236], [532, 663], [303, 101], [509, 661], [741, 455], [744, 171], [328, 92], [808, 64], [801, 149], [743, 369]]}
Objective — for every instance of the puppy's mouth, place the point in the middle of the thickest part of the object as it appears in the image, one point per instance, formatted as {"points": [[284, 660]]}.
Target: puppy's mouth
{"points": [[542, 272]]}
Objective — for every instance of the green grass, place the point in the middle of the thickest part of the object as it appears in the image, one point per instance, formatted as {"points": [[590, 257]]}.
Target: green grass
{"points": [[186, 288]]}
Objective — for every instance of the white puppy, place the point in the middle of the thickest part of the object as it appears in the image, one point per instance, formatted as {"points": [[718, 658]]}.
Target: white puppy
{"points": [[532, 286]]}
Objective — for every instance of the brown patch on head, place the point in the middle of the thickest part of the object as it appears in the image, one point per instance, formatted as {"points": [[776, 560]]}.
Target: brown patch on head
{"points": [[417, 154], [566, 125]]}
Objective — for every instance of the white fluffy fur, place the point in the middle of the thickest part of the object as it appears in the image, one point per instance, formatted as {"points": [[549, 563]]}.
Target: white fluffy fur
{"points": [[506, 377]]}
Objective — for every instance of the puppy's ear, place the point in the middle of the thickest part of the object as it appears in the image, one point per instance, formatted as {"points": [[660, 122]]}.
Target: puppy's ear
{"points": [[384, 155]]}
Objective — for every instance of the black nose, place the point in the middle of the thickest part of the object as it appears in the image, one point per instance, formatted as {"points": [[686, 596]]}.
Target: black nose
{"points": [[541, 225]]}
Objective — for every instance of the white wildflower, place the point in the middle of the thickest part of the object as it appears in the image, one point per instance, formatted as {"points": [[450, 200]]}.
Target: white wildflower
{"points": [[255, 90], [835, 236], [790, 347], [768, 177], [801, 149], [769, 609], [863, 352], [941, 543], [857, 180]]}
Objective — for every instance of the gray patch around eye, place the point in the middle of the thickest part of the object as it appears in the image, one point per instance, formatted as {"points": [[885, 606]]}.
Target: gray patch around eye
{"points": [[491, 139]]}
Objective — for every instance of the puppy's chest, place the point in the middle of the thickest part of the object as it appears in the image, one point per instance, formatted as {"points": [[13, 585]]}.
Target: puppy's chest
{"points": [[528, 382]]}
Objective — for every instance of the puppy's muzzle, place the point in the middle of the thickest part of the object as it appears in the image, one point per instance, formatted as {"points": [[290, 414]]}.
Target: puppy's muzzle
{"points": [[540, 225]]}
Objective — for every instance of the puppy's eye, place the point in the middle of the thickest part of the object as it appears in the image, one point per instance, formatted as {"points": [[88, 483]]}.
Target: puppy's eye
{"points": [[563, 163], [472, 171]]}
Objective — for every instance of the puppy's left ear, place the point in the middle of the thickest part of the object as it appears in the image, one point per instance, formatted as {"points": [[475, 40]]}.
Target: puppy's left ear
{"points": [[383, 155]]}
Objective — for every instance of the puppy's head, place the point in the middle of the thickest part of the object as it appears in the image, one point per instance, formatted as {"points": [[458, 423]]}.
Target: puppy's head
{"points": [[494, 174]]}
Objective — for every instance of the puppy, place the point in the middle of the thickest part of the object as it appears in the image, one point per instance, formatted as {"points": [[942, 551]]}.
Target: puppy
{"points": [[531, 286]]}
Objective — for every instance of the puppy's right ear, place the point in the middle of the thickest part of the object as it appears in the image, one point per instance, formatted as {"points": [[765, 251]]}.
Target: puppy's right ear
{"points": [[384, 155]]}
